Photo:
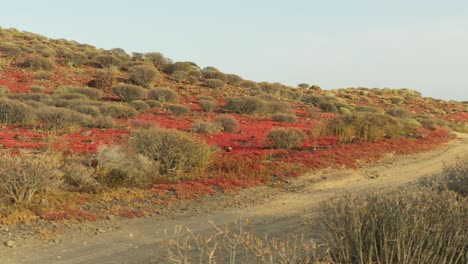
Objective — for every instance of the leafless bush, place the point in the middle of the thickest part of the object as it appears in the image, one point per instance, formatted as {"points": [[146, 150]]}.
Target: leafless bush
{"points": [[404, 226], [25, 174]]}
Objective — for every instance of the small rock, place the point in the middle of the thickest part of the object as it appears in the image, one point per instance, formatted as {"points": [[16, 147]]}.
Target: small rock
{"points": [[10, 243], [111, 217], [130, 235], [100, 230], [228, 149]]}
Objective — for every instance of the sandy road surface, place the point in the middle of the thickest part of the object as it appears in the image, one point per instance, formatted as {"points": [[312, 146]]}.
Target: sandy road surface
{"points": [[277, 211]]}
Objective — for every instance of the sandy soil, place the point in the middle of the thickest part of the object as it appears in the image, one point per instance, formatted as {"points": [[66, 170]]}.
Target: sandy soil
{"points": [[278, 211]]}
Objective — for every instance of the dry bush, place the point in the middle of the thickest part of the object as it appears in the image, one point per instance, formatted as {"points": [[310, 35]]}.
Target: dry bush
{"points": [[185, 66], [279, 107], [91, 93], [78, 176], [104, 78], [237, 244], [153, 103], [13, 112], [108, 61], [329, 107], [86, 109], [214, 83], [103, 122], [399, 112], [36, 62], [404, 226], [314, 100], [119, 166], [61, 119], [284, 118], [205, 127], [156, 58], [172, 150], [129, 92], [369, 109], [163, 94], [179, 76], [207, 105], [139, 105], [10, 49], [227, 122], [4, 91], [234, 79], [117, 110], [43, 75], [245, 105], [71, 96], [366, 127], [285, 138], [178, 109], [453, 178], [25, 174], [429, 121], [214, 74], [143, 75]]}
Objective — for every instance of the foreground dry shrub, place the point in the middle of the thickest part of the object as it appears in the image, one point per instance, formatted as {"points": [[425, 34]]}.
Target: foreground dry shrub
{"points": [[117, 110], [285, 138], [172, 150], [237, 244], [129, 92], [405, 226], [143, 75], [25, 174], [227, 122], [13, 112], [214, 83], [104, 78], [36, 62], [453, 178]]}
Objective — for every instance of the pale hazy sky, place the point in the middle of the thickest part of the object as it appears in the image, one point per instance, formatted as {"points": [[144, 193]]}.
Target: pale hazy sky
{"points": [[418, 44]]}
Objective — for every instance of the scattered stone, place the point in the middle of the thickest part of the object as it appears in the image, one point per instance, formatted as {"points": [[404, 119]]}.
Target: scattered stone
{"points": [[100, 230], [130, 235], [111, 217], [228, 149], [10, 243]]}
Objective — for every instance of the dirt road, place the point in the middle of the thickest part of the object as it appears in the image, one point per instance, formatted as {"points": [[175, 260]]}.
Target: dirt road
{"points": [[277, 211]]}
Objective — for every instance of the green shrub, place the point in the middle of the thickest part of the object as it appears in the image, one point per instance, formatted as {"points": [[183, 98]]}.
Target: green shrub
{"points": [[91, 93], [205, 127], [61, 119], [284, 118], [185, 66], [163, 94], [172, 150], [178, 109], [245, 105], [108, 61], [129, 92], [404, 226], [36, 62], [143, 75], [25, 174], [303, 85], [139, 105], [214, 83], [13, 112], [285, 138], [117, 110], [4, 91], [207, 105], [227, 122]]}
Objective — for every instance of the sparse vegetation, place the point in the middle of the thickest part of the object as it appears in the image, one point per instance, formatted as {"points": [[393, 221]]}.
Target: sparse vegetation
{"points": [[129, 93], [245, 105], [284, 118], [178, 109], [163, 94], [143, 75], [227, 122], [285, 138]]}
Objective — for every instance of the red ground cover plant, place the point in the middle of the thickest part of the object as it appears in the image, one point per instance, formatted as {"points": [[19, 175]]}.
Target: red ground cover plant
{"points": [[16, 80]]}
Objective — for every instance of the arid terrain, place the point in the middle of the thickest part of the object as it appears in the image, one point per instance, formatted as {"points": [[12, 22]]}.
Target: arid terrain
{"points": [[103, 155], [281, 212]]}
